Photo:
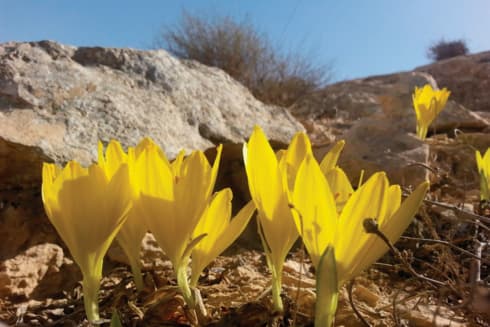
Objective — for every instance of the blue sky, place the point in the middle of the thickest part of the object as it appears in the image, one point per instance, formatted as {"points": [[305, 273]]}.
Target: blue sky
{"points": [[358, 38]]}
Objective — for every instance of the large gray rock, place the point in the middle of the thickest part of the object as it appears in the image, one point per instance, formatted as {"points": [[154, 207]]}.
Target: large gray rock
{"points": [[61, 100]]}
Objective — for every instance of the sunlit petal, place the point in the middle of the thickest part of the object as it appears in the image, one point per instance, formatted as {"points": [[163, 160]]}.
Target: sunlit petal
{"points": [[316, 212], [329, 161]]}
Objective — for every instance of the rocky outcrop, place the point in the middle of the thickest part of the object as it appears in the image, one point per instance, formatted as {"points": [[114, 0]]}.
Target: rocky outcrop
{"points": [[61, 100]]}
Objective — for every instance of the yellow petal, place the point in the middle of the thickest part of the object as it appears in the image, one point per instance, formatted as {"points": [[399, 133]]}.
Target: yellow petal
{"points": [[316, 213], [237, 225], [118, 204], [483, 165], [394, 227], [113, 158], [214, 170], [268, 191], [220, 232], [157, 215], [154, 175], [261, 165], [289, 163], [148, 143], [369, 201], [340, 186], [191, 190], [394, 201], [177, 164], [329, 161]]}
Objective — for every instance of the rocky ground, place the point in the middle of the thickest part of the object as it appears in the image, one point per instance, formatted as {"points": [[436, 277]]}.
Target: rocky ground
{"points": [[57, 101]]}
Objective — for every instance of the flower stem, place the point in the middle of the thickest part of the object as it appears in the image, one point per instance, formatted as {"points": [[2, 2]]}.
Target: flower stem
{"points": [[90, 286], [276, 289], [183, 283], [422, 132]]}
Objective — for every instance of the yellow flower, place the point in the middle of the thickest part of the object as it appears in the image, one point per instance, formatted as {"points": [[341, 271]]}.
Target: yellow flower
{"points": [[173, 198], [428, 103], [316, 211], [268, 184], [320, 225], [353, 249], [87, 209], [219, 230], [134, 229], [483, 164]]}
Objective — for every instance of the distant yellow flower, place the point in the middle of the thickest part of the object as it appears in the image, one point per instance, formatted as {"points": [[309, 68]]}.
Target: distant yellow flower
{"points": [[220, 231], [173, 198], [428, 103], [268, 184], [134, 229], [483, 164], [87, 208]]}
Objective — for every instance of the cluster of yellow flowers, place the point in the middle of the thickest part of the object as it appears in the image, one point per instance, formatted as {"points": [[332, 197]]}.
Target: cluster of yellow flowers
{"points": [[296, 195], [125, 194]]}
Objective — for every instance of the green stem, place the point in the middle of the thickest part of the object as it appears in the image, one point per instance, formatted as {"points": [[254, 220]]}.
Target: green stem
{"points": [[327, 292], [194, 280], [276, 289], [183, 283], [90, 286], [422, 132]]}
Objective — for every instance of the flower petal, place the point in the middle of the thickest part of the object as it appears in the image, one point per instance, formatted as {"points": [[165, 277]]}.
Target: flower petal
{"points": [[329, 161], [316, 213], [369, 201]]}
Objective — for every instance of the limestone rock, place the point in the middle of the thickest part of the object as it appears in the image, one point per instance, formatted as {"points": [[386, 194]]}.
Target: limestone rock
{"points": [[62, 99], [35, 269]]}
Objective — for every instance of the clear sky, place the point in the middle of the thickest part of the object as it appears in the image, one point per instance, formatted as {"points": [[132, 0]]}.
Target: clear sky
{"points": [[358, 37]]}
